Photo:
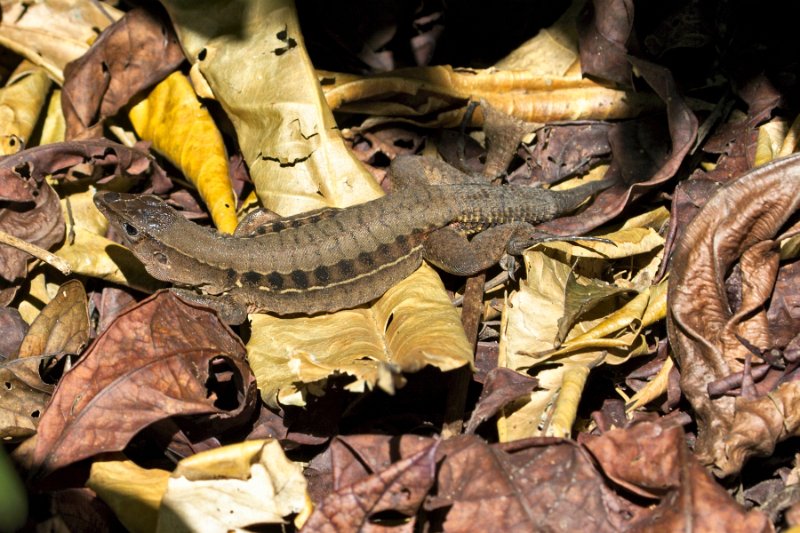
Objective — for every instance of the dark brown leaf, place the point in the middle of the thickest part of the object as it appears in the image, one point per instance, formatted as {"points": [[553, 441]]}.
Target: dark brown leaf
{"points": [[156, 360], [134, 53], [12, 331], [386, 498], [543, 484], [605, 28], [502, 386], [737, 225]]}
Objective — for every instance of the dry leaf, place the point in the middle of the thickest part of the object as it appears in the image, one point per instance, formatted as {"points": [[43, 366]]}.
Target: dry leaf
{"points": [[739, 224], [20, 104], [233, 487], [159, 359], [134, 53], [401, 332], [133, 493], [52, 33], [181, 128]]}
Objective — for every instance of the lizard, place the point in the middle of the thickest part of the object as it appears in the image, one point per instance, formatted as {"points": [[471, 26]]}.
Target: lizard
{"points": [[338, 258]]}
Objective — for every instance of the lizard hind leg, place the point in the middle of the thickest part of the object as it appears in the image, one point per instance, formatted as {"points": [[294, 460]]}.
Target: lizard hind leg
{"points": [[453, 252]]}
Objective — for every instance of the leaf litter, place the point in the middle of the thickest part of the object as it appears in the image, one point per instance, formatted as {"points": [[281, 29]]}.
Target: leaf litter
{"points": [[642, 381]]}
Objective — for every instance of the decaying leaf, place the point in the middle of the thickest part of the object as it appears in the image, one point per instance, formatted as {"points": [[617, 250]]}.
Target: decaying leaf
{"points": [[401, 332], [52, 33], [181, 128], [548, 322], [134, 53], [297, 158], [159, 359], [234, 487], [737, 230], [652, 460], [29, 211], [397, 491], [61, 328]]}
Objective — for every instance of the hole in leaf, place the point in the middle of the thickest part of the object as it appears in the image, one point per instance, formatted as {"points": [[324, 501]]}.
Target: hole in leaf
{"points": [[8, 385], [35, 414], [389, 518], [202, 54]]}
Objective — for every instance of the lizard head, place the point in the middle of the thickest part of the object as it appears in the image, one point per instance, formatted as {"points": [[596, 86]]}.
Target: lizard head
{"points": [[146, 225]]}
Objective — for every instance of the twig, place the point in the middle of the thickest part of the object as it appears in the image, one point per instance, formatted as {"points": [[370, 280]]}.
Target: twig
{"points": [[37, 252]]}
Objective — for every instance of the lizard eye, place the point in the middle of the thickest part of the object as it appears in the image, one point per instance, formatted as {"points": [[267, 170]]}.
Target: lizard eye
{"points": [[130, 230]]}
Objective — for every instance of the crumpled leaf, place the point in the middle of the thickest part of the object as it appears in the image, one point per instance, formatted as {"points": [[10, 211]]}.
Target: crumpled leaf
{"points": [[501, 387], [52, 33], [20, 104], [398, 489], [652, 460], [134, 53], [530, 485], [181, 128], [233, 487], [401, 332], [738, 227], [133, 493], [159, 359], [62, 327], [29, 211], [609, 331]]}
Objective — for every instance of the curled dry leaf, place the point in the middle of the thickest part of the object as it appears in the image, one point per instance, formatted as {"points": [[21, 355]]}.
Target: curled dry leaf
{"points": [[62, 327], [159, 359], [134, 53], [235, 487], [51, 34], [651, 459], [396, 492], [737, 229], [30, 212]]}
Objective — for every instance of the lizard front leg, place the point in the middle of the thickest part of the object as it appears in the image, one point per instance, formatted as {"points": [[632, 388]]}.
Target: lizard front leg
{"points": [[229, 309]]}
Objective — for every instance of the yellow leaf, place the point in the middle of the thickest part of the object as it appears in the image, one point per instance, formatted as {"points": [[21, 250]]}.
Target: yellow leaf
{"points": [[133, 493], [229, 488], [54, 127], [289, 355], [20, 104], [654, 388], [181, 128]]}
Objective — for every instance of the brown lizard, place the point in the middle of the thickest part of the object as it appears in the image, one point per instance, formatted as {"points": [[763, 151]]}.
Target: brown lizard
{"points": [[332, 259]]}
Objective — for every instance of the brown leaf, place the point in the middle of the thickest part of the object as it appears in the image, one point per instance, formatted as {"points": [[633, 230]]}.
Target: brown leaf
{"points": [[698, 503], [134, 53], [381, 499], [62, 326], [502, 386], [527, 485], [604, 31], [12, 331], [738, 224], [157, 360], [29, 210], [641, 159]]}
